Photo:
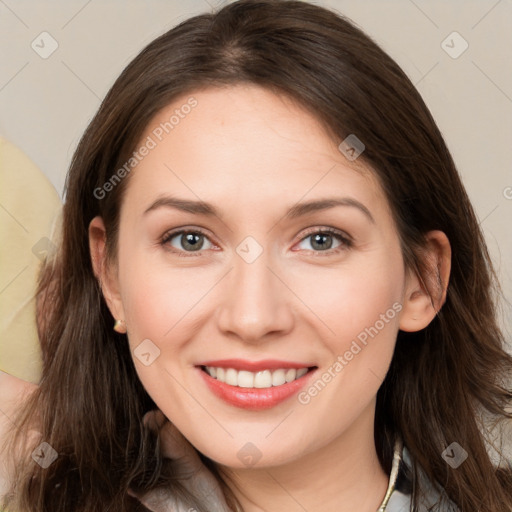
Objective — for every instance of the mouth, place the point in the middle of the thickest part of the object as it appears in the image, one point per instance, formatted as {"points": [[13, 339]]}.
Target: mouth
{"points": [[267, 386]]}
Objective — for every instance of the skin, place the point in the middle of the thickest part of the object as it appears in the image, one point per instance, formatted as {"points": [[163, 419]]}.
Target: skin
{"points": [[13, 392], [253, 155]]}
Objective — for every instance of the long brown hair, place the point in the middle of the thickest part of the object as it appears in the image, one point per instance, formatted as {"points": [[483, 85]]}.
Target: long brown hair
{"points": [[443, 381]]}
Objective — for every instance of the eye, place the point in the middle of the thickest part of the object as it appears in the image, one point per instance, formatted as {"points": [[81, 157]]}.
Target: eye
{"points": [[321, 241], [181, 242], [192, 242]]}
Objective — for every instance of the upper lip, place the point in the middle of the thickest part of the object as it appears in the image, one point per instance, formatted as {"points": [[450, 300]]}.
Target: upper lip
{"points": [[255, 366]]}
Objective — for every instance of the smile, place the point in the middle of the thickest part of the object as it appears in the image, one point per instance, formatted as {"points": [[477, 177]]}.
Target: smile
{"points": [[254, 386], [262, 379]]}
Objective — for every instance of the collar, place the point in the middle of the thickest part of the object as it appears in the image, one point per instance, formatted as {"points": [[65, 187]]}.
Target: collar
{"points": [[398, 497], [399, 480]]}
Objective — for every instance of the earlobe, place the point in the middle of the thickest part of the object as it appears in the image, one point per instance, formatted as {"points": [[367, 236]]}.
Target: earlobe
{"points": [[102, 268], [424, 296]]}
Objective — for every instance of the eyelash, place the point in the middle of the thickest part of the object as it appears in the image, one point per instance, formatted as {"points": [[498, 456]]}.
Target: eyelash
{"points": [[346, 242]]}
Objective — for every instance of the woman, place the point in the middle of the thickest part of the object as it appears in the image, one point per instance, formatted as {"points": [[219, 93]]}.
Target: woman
{"points": [[265, 210]]}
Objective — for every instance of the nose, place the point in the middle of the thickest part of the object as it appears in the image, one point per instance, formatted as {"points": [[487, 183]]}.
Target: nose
{"points": [[256, 303]]}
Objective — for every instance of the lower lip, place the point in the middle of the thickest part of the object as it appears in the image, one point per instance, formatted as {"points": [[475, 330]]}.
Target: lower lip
{"points": [[255, 399]]}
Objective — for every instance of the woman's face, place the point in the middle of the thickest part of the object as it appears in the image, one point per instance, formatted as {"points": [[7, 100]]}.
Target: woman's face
{"points": [[266, 286]]}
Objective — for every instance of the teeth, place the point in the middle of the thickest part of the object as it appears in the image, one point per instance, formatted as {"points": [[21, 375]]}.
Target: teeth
{"points": [[290, 375], [231, 377], [262, 379], [278, 377], [245, 380]]}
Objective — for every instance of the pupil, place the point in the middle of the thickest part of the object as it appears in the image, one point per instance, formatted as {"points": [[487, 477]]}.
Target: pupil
{"points": [[318, 238], [192, 240]]}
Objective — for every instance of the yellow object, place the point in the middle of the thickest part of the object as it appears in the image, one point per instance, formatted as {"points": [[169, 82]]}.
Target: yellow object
{"points": [[30, 210]]}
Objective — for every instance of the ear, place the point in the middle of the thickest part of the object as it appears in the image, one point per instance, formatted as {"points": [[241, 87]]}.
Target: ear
{"points": [[425, 295], [105, 272]]}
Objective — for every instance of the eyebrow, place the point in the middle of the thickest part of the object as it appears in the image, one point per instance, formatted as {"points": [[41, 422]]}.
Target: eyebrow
{"points": [[297, 210]]}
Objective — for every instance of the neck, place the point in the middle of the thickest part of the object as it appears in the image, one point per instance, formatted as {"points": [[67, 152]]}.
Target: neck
{"points": [[341, 476]]}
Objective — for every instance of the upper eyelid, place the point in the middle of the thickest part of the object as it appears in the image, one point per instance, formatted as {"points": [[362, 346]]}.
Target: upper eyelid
{"points": [[323, 229], [168, 235]]}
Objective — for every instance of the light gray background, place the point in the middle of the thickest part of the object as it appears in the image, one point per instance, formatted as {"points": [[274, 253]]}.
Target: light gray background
{"points": [[45, 104]]}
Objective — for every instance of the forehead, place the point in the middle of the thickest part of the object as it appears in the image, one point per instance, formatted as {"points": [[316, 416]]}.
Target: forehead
{"points": [[246, 145]]}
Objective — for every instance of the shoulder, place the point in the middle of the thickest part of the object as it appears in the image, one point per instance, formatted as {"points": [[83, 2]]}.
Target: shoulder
{"points": [[13, 392]]}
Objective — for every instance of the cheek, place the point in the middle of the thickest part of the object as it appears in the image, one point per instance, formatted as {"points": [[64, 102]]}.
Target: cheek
{"points": [[363, 310], [162, 306], [157, 296], [351, 299], [157, 305]]}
